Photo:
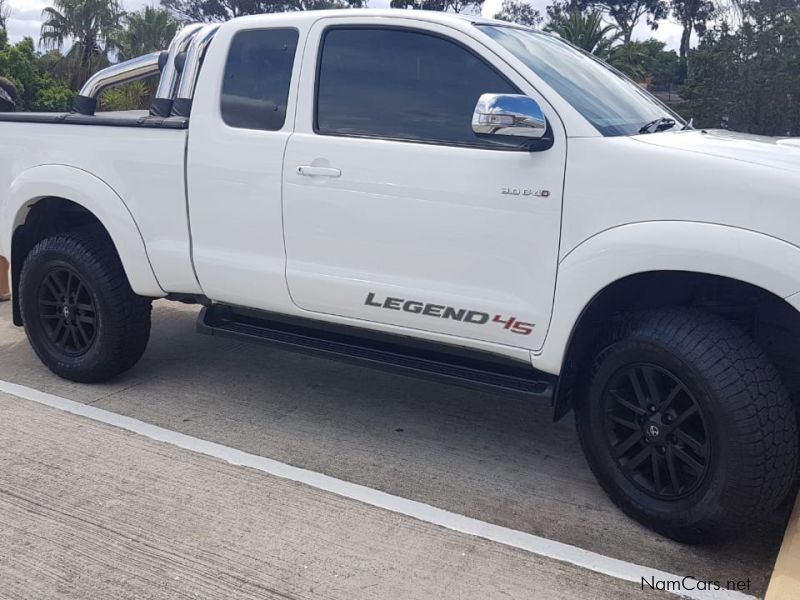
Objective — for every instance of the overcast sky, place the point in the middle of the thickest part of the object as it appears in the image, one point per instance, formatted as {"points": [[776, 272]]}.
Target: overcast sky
{"points": [[26, 18]]}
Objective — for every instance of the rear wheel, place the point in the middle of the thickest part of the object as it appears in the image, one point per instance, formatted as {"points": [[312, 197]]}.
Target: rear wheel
{"points": [[80, 314], [687, 425]]}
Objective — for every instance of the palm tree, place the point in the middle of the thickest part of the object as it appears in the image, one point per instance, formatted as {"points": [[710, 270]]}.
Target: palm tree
{"points": [[145, 31], [89, 24], [587, 30]]}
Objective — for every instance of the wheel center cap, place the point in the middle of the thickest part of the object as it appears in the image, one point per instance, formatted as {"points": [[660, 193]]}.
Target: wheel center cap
{"points": [[66, 312], [652, 431]]}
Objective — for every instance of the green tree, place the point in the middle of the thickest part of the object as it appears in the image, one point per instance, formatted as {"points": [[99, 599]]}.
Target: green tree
{"points": [[18, 64], [558, 9], [147, 30], [695, 15], [54, 97], [89, 24], [5, 13], [647, 61], [456, 6], [626, 14], [519, 12], [38, 91], [749, 76], [586, 30]]}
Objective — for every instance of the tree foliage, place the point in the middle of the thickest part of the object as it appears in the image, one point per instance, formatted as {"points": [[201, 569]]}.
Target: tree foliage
{"points": [[695, 16], [626, 14], [37, 90], [750, 76], [647, 62], [147, 30], [89, 24], [223, 10], [131, 96], [520, 12], [746, 68], [586, 30], [456, 6], [5, 13]]}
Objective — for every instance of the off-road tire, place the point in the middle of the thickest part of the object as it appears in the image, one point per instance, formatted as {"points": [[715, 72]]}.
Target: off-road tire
{"points": [[752, 436], [122, 319]]}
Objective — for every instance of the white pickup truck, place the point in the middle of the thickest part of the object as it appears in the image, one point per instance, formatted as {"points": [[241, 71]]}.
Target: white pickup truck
{"points": [[449, 196]]}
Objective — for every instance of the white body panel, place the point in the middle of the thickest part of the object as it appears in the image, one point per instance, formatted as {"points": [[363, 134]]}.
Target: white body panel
{"points": [[608, 256], [142, 167], [235, 190], [694, 176], [417, 222], [445, 235], [95, 196]]}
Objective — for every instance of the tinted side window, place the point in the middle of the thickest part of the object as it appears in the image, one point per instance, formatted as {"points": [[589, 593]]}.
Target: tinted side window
{"points": [[399, 84], [255, 87]]}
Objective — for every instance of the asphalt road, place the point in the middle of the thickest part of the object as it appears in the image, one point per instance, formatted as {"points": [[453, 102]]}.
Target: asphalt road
{"points": [[89, 511]]}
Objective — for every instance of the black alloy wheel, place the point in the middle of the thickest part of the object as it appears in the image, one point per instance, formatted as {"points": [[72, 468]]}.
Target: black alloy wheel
{"points": [[656, 431], [686, 424], [81, 316], [67, 312]]}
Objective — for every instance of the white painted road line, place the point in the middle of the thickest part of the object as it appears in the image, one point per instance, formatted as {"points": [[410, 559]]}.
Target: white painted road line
{"points": [[592, 561]]}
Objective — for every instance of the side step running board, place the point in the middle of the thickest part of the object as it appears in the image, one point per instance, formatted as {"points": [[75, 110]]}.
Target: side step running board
{"points": [[395, 353]]}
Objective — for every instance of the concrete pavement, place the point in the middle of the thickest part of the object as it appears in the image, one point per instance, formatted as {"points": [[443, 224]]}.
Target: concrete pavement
{"points": [[92, 512], [485, 456]]}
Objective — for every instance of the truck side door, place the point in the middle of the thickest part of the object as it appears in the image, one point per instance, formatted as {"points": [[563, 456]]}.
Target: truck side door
{"points": [[394, 211], [242, 117]]}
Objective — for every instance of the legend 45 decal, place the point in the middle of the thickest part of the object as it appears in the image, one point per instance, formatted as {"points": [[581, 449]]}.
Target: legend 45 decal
{"points": [[441, 311]]}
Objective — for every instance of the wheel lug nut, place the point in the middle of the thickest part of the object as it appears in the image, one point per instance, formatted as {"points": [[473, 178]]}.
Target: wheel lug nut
{"points": [[662, 450], [652, 408]]}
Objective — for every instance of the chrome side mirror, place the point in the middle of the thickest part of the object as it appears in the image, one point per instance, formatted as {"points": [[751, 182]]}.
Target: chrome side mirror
{"points": [[510, 115]]}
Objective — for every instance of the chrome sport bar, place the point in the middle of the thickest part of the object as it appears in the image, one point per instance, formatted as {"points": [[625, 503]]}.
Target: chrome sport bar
{"points": [[130, 70], [179, 67], [165, 93], [182, 106]]}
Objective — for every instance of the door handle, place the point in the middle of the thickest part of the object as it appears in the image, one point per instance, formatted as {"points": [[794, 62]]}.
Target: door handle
{"points": [[309, 171]]}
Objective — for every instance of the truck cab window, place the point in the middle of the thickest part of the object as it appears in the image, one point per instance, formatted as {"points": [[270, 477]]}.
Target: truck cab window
{"points": [[400, 84], [258, 72]]}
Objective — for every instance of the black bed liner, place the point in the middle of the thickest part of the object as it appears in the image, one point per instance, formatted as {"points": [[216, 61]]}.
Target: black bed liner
{"points": [[122, 119]]}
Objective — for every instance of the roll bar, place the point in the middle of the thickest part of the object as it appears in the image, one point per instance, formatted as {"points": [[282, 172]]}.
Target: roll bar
{"points": [[179, 67], [137, 68], [182, 106], [165, 93]]}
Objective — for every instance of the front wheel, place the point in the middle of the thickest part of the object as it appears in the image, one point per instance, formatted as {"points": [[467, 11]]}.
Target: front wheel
{"points": [[687, 426], [80, 314]]}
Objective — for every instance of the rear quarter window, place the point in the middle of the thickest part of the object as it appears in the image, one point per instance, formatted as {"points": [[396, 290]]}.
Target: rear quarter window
{"points": [[258, 71]]}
